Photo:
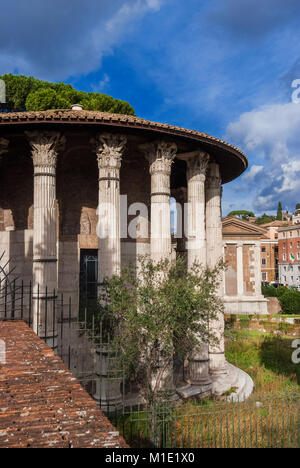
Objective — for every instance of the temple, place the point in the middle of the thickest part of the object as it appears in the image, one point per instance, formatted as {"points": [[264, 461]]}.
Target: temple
{"points": [[83, 193]]}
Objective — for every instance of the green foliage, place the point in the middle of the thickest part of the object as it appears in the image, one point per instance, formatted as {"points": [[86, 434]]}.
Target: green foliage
{"points": [[32, 94], [290, 301], [265, 218], [158, 314], [242, 214], [269, 291], [289, 298], [279, 212], [46, 98], [267, 359]]}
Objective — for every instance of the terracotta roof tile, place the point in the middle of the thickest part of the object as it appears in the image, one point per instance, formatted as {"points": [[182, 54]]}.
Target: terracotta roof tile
{"points": [[83, 115], [41, 404]]}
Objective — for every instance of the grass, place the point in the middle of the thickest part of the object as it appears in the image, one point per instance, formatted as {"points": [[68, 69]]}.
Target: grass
{"points": [[266, 358], [271, 418]]}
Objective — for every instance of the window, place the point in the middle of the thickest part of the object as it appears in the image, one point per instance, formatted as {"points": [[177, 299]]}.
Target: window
{"points": [[284, 257], [263, 261], [264, 276], [263, 249]]}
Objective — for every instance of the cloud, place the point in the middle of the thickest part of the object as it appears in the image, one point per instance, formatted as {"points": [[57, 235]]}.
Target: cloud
{"points": [[271, 135], [253, 19], [252, 173], [62, 38]]}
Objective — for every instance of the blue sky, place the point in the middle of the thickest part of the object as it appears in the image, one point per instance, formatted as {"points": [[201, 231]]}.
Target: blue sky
{"points": [[224, 67]]}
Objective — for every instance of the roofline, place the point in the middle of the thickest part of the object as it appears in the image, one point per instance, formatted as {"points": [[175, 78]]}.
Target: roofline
{"points": [[93, 118]]}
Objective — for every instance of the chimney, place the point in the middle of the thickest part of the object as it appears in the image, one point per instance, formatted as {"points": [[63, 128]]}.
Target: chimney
{"points": [[77, 107]]}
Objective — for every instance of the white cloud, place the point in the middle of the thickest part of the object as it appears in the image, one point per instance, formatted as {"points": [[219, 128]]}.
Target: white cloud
{"points": [[252, 173], [271, 134], [63, 38]]}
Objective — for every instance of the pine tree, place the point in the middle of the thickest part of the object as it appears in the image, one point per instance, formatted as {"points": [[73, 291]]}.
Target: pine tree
{"points": [[279, 212]]}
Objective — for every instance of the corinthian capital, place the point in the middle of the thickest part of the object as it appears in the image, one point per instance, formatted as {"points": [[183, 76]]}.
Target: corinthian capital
{"points": [[110, 148], [197, 166], [3, 147], [160, 155], [45, 147]]}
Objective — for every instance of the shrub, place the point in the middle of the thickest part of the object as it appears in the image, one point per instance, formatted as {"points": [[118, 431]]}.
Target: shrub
{"points": [[290, 302]]}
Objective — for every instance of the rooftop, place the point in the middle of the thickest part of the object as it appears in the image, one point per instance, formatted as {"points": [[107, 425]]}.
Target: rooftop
{"points": [[41, 404], [232, 161]]}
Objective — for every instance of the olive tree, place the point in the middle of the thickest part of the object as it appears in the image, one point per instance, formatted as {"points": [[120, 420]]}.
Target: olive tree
{"points": [[159, 311]]}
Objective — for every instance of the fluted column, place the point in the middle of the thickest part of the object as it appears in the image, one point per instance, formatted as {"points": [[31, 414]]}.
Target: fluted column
{"points": [[197, 164], [110, 148], [45, 147], [160, 156], [214, 250]]}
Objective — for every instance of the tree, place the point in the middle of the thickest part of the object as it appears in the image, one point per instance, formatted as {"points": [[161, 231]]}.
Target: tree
{"points": [[158, 314], [28, 93], [265, 218], [46, 98], [290, 302], [279, 212], [242, 214]]}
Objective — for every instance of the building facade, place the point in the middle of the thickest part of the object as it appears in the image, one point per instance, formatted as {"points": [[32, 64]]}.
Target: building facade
{"points": [[84, 193], [289, 255], [269, 256], [242, 252]]}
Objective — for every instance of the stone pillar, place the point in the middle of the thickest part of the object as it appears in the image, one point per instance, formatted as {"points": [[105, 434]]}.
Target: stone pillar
{"points": [[240, 270], [197, 164], [257, 270], [160, 156], [214, 244], [109, 150], [45, 147]]}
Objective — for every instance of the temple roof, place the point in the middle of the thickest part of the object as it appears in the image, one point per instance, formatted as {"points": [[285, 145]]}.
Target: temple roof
{"points": [[232, 161]]}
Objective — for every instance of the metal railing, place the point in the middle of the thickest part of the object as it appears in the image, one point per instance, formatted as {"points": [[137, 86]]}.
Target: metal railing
{"points": [[272, 422], [83, 342]]}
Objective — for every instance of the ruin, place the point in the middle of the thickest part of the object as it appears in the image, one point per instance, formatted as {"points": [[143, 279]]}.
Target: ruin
{"points": [[74, 187]]}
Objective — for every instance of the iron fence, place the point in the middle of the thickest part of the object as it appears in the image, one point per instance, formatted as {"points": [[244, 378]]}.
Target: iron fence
{"points": [[272, 422], [82, 341]]}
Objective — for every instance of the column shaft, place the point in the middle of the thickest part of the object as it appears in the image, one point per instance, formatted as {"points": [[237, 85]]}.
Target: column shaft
{"points": [[45, 148], [110, 148], [109, 153], [240, 270], [160, 156], [214, 254], [198, 369]]}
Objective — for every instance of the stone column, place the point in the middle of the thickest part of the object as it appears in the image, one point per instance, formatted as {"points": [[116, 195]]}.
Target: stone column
{"points": [[197, 164], [160, 156], [214, 244], [109, 150], [45, 147], [257, 269], [240, 270]]}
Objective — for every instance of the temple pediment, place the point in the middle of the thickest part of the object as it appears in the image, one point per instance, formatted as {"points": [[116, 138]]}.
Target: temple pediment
{"points": [[235, 228]]}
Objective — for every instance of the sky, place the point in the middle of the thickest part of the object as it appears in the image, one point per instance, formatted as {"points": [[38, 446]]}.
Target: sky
{"points": [[224, 67]]}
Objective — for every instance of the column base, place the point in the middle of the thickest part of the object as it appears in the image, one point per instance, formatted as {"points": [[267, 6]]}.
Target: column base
{"points": [[195, 391]]}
